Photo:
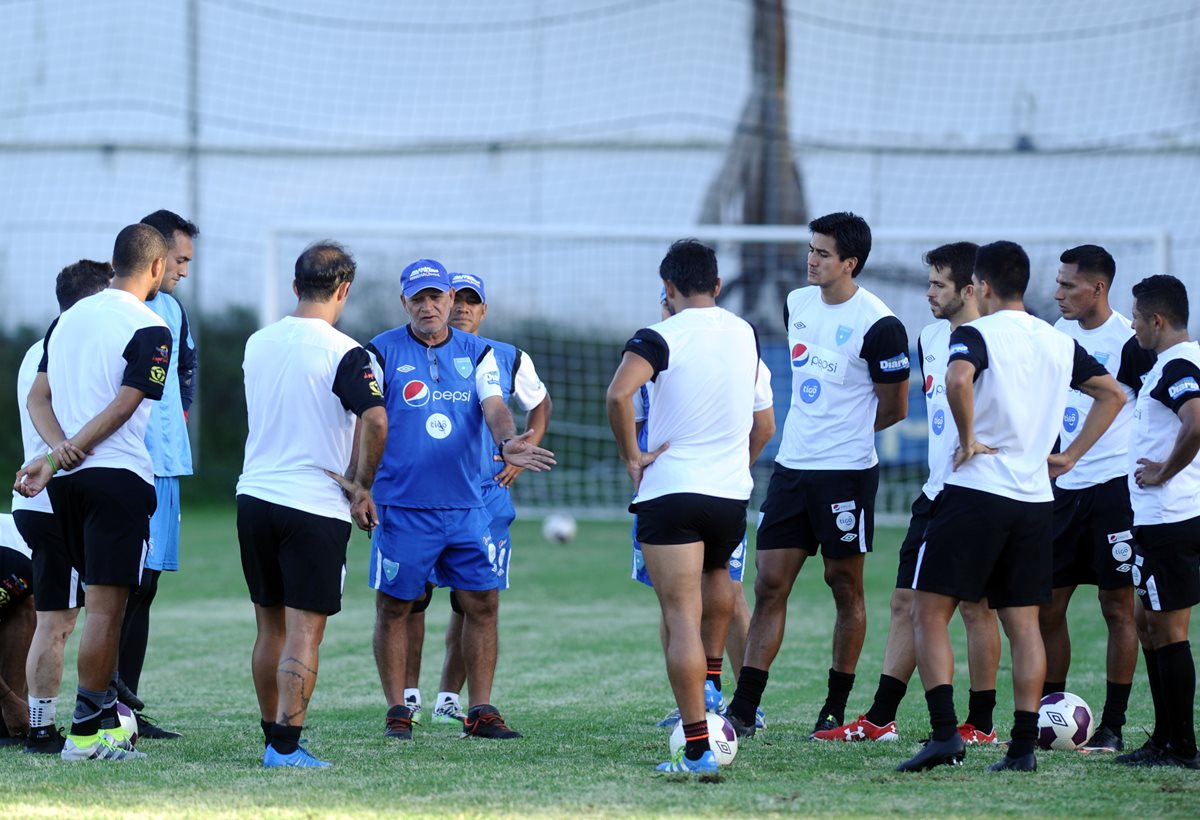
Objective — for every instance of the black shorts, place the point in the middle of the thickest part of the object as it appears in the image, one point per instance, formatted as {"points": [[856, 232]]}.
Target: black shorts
{"points": [[290, 557], [685, 518], [980, 544], [56, 581], [1166, 565], [922, 511], [105, 514], [829, 510], [16, 579], [1092, 531]]}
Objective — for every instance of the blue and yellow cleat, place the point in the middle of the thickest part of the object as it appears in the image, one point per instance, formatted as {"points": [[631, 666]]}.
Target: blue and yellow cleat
{"points": [[714, 701], [299, 759], [705, 767]]}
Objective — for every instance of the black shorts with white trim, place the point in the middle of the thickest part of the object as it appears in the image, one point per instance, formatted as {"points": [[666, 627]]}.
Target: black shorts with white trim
{"points": [[922, 512], [1092, 530], [105, 514], [686, 518], [57, 584], [831, 511], [1166, 565]]}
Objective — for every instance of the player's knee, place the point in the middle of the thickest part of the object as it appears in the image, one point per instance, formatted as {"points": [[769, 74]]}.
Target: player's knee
{"points": [[902, 604], [478, 603], [1117, 607], [422, 603], [389, 608]]}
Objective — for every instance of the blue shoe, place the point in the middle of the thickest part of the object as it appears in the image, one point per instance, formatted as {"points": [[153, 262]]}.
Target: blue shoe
{"points": [[714, 701], [706, 766], [300, 759], [760, 719], [669, 721]]}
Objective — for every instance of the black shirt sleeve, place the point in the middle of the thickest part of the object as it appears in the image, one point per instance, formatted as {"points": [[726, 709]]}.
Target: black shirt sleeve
{"points": [[146, 359], [967, 345], [355, 384], [43, 362], [651, 346], [1085, 367], [1135, 364], [1180, 382], [885, 350]]}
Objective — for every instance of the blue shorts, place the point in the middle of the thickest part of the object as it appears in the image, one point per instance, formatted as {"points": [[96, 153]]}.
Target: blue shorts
{"points": [[164, 526], [498, 502], [737, 561], [411, 545]]}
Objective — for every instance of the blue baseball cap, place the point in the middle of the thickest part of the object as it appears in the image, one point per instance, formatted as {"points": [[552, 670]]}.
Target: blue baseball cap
{"points": [[422, 274], [468, 281]]}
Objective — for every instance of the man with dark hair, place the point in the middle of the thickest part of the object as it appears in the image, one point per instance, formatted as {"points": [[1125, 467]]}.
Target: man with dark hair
{"points": [[17, 620], [952, 299], [441, 387], [692, 487], [1092, 517], [1164, 488], [171, 452], [850, 366], [103, 358], [317, 429], [57, 591], [997, 365]]}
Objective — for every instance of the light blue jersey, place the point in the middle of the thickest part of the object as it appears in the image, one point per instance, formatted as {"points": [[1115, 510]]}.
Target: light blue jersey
{"points": [[166, 434]]}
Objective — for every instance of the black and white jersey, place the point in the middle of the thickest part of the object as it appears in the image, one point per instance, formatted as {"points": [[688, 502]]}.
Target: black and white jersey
{"points": [[101, 344], [933, 352], [1023, 370], [10, 536], [1172, 382], [1115, 348], [34, 447], [702, 401], [306, 384], [838, 354]]}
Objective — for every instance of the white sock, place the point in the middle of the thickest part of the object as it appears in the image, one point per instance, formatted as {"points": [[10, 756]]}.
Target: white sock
{"points": [[452, 697], [412, 694], [42, 711]]}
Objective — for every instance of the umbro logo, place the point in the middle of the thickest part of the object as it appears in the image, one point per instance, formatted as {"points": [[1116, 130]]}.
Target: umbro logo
{"points": [[799, 325], [405, 368], [929, 358], [848, 537]]}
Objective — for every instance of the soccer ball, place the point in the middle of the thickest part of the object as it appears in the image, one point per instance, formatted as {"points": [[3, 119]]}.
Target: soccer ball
{"points": [[1064, 722], [128, 721], [559, 528], [721, 738]]}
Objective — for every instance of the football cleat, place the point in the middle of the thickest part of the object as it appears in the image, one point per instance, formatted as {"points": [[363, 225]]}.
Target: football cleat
{"points": [[95, 747], [126, 695], [936, 753], [825, 723], [398, 723], [714, 701], [299, 759], [45, 740], [760, 719], [1172, 758], [705, 766], [1147, 755], [670, 719], [740, 729], [861, 729], [971, 735], [1020, 763], [149, 730], [10, 740], [449, 712], [118, 736], [1105, 740], [414, 709], [484, 721]]}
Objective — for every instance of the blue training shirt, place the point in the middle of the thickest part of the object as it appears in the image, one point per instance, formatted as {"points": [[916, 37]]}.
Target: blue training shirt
{"points": [[435, 418], [507, 361], [167, 435]]}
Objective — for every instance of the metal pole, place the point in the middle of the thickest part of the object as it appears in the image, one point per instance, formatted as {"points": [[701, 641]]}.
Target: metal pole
{"points": [[193, 156]]}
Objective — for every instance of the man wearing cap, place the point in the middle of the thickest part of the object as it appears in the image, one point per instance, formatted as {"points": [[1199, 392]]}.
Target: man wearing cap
{"points": [[442, 387]]}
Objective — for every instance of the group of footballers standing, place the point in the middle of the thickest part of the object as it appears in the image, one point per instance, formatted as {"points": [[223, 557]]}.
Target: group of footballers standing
{"points": [[1058, 456]]}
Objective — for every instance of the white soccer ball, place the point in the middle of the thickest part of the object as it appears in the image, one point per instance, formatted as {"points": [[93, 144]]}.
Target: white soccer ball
{"points": [[722, 739], [1064, 722], [559, 528], [128, 721]]}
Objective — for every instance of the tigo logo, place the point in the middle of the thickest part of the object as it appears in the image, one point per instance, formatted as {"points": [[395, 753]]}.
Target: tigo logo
{"points": [[1070, 419], [938, 424], [810, 391], [799, 355], [416, 393]]}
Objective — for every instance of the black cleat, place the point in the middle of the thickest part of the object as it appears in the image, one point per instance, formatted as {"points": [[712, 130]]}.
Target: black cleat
{"points": [[824, 723], [740, 729], [1147, 755], [484, 721], [10, 740], [398, 723], [149, 730], [1021, 763], [936, 753], [45, 740], [1105, 740], [1172, 758], [126, 695]]}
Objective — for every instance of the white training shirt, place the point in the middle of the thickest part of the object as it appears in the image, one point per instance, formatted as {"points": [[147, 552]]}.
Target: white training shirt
{"points": [[1115, 348], [1172, 382], [933, 351], [102, 343], [34, 447], [1023, 369], [702, 401], [838, 353], [306, 384], [10, 536]]}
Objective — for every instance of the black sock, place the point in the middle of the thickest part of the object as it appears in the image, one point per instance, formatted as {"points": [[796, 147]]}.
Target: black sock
{"points": [[285, 739], [1116, 701], [108, 709], [714, 672], [1159, 736], [695, 736], [942, 719], [748, 694], [1177, 672], [887, 700], [1051, 686], [979, 709], [1024, 733], [840, 684], [267, 727], [88, 706]]}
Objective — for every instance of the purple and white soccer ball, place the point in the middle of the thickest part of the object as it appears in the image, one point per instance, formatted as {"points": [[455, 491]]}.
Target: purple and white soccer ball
{"points": [[721, 738], [1064, 722], [128, 721]]}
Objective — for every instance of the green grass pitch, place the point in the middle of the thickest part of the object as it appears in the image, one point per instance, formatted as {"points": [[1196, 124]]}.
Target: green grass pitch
{"points": [[581, 674]]}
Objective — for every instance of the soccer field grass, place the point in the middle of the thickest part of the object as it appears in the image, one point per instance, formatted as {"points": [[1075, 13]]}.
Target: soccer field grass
{"points": [[581, 674]]}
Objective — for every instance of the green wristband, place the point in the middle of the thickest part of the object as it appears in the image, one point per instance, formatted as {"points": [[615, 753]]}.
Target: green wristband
{"points": [[53, 466]]}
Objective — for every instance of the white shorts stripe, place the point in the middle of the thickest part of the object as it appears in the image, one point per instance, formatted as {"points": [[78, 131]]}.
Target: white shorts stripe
{"points": [[917, 571], [378, 574], [73, 595], [1152, 594], [862, 531]]}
